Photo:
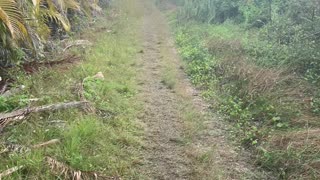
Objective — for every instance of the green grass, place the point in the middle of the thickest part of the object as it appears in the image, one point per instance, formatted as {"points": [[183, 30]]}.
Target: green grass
{"points": [[105, 141], [168, 73], [169, 80], [218, 62]]}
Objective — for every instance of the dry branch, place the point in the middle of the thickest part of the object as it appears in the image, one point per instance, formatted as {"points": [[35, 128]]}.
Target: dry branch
{"points": [[77, 43], [13, 91], [4, 88], [52, 107], [23, 149], [14, 169], [6, 118], [10, 171], [63, 170], [53, 141]]}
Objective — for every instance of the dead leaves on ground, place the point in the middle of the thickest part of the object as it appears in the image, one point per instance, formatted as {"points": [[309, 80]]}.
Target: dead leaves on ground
{"points": [[62, 170], [57, 168]]}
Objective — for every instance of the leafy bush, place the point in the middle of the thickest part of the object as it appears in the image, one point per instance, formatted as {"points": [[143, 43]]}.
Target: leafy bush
{"points": [[11, 103]]}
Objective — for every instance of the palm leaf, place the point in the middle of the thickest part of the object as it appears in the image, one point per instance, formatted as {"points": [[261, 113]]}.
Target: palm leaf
{"points": [[11, 17]]}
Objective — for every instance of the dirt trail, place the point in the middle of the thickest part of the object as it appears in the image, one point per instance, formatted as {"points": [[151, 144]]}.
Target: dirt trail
{"points": [[166, 154]]}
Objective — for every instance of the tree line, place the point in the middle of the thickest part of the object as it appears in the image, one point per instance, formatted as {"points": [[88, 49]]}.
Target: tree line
{"points": [[288, 30]]}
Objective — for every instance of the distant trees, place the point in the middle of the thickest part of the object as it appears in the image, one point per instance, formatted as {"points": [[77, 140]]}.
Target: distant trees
{"points": [[211, 11], [251, 11], [289, 30]]}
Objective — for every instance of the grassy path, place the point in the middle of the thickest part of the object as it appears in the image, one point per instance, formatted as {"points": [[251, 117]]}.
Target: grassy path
{"points": [[182, 141], [149, 123]]}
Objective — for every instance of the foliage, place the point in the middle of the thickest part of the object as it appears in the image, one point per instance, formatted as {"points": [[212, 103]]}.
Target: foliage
{"points": [[11, 103], [252, 97], [212, 11], [27, 26], [288, 31], [258, 62]]}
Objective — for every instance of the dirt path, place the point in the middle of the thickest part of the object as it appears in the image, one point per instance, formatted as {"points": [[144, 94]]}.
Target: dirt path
{"points": [[182, 140]]}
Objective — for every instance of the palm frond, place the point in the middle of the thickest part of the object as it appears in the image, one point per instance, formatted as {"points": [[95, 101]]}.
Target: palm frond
{"points": [[11, 17]]}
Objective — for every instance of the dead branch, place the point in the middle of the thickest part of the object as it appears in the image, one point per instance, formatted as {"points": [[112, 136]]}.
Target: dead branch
{"points": [[80, 90], [10, 171], [6, 118], [16, 148], [48, 143], [52, 107], [61, 169], [13, 91], [77, 43], [23, 149], [4, 88]]}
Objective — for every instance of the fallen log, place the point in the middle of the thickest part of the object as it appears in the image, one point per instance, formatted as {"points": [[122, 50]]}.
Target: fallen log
{"points": [[6, 118], [35, 66], [52, 107]]}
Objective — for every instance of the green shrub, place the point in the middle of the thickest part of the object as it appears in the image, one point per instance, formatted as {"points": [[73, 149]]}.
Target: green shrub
{"points": [[12, 103]]}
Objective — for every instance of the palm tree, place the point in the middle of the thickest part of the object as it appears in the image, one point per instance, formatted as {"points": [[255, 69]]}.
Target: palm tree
{"points": [[31, 19], [12, 21], [12, 29]]}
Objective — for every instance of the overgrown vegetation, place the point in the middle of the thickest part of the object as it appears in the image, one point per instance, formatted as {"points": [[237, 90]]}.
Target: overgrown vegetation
{"points": [[286, 32], [28, 28], [257, 62], [102, 139]]}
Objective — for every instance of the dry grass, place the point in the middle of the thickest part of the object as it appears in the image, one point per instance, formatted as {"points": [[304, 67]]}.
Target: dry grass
{"points": [[257, 80], [296, 139], [218, 45], [62, 170]]}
